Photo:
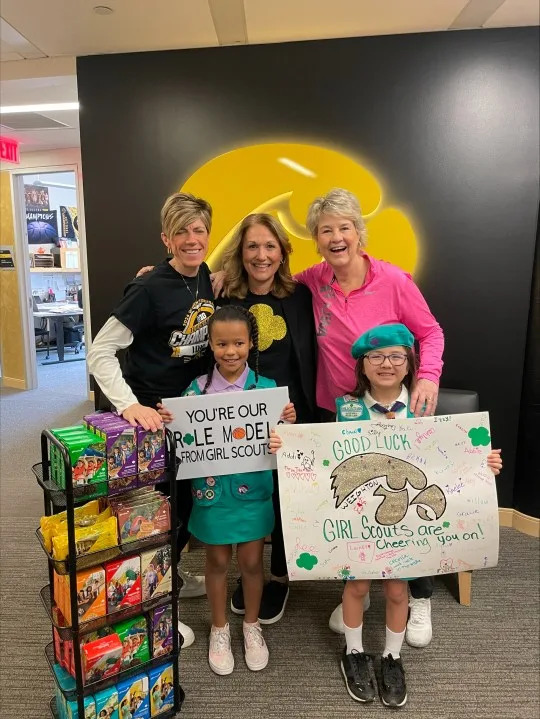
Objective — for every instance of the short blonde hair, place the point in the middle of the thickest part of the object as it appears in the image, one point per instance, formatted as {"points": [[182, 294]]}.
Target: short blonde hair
{"points": [[180, 210], [236, 277], [337, 202]]}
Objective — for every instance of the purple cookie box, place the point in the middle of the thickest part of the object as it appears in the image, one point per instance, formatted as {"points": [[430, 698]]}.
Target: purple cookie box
{"points": [[159, 644], [156, 446], [129, 463]]}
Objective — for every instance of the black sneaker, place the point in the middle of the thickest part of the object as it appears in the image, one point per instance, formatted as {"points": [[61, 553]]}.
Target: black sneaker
{"points": [[393, 688], [359, 674], [273, 602], [237, 599]]}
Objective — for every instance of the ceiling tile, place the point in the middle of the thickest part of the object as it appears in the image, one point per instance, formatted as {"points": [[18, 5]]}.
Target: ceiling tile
{"points": [[70, 27], [282, 20], [515, 13]]}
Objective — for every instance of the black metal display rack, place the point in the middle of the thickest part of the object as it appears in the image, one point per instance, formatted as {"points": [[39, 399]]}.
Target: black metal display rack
{"points": [[57, 499]]}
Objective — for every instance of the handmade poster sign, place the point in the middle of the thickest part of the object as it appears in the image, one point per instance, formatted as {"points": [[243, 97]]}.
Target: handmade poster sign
{"points": [[225, 433], [388, 498]]}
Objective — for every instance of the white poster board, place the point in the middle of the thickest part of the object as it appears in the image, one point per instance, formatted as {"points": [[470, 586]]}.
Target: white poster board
{"points": [[388, 498], [225, 433]]}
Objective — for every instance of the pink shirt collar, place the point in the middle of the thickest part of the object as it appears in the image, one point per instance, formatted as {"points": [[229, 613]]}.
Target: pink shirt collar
{"points": [[329, 276]]}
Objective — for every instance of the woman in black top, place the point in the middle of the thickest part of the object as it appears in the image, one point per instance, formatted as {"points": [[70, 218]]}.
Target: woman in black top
{"points": [[162, 322], [258, 277]]}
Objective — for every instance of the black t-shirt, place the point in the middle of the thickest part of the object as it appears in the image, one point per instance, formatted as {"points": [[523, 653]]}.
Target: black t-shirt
{"points": [[168, 314], [277, 359]]}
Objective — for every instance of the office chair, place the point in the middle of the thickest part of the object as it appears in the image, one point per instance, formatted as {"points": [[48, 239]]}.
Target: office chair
{"points": [[42, 332], [74, 330]]}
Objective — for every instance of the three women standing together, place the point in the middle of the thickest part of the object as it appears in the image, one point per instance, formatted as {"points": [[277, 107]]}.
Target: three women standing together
{"points": [[306, 322]]}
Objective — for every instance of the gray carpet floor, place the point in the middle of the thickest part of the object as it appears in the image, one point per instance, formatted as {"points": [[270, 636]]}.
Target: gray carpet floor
{"points": [[483, 661]]}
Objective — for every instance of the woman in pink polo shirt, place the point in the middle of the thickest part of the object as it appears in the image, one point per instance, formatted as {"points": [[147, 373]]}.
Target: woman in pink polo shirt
{"points": [[353, 292]]}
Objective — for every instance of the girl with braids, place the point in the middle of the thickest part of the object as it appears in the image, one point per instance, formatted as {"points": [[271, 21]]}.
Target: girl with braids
{"points": [[233, 508]]}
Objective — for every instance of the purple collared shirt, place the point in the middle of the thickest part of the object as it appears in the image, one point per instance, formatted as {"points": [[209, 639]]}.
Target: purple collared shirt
{"points": [[219, 384]]}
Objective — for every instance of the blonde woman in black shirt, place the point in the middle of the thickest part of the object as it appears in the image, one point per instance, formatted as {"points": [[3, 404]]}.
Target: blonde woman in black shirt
{"points": [[162, 323]]}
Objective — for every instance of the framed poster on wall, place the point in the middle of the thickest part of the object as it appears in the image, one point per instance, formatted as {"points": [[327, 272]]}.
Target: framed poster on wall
{"points": [[36, 198], [42, 227]]}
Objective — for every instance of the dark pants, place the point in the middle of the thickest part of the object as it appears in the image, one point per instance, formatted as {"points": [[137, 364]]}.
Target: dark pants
{"points": [[184, 500], [422, 588], [278, 563]]}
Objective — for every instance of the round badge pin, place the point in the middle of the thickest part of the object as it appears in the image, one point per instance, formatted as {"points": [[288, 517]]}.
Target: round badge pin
{"points": [[210, 481], [209, 494], [199, 494]]}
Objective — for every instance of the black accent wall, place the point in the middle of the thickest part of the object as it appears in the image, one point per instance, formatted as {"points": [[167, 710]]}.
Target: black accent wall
{"points": [[449, 120]]}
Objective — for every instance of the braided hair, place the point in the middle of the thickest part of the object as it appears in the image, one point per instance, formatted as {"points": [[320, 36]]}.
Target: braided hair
{"points": [[235, 313]]}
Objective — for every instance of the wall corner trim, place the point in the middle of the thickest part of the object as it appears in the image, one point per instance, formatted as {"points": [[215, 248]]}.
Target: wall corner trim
{"points": [[522, 522]]}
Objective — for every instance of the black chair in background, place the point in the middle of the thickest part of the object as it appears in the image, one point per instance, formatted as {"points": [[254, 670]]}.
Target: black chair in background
{"points": [[459, 401], [41, 333], [74, 330], [43, 330]]}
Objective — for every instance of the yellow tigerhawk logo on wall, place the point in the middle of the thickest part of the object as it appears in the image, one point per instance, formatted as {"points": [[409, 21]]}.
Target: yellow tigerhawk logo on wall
{"points": [[283, 179]]}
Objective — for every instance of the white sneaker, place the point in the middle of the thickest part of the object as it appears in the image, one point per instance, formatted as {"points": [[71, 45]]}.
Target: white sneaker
{"points": [[255, 647], [220, 656], [187, 634], [336, 618], [192, 585], [419, 630]]}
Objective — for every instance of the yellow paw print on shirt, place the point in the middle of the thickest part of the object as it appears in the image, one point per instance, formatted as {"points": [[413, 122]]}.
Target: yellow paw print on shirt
{"points": [[271, 327]]}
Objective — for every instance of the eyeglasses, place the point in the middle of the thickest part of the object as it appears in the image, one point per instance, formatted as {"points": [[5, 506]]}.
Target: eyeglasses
{"points": [[377, 358]]}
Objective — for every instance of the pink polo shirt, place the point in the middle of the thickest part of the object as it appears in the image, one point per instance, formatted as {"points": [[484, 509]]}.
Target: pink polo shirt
{"points": [[388, 295]]}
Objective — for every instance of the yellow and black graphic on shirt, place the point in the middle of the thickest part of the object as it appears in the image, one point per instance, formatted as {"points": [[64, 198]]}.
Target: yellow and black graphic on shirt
{"points": [[271, 327], [191, 341], [283, 178]]}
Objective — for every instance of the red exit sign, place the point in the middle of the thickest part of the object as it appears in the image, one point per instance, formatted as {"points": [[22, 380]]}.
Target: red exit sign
{"points": [[9, 150]]}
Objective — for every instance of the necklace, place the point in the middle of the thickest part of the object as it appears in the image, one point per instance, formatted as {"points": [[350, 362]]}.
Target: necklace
{"points": [[196, 295]]}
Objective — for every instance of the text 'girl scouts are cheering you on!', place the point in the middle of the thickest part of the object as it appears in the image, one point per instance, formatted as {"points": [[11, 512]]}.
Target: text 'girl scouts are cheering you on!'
{"points": [[238, 509], [385, 375]]}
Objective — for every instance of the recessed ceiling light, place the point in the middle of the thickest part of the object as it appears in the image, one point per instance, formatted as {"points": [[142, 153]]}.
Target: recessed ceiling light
{"points": [[103, 10], [44, 107]]}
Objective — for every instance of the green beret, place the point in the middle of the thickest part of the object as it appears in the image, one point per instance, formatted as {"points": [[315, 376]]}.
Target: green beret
{"points": [[382, 336]]}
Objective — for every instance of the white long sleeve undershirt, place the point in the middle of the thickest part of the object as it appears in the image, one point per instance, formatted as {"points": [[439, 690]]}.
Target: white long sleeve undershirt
{"points": [[104, 365]]}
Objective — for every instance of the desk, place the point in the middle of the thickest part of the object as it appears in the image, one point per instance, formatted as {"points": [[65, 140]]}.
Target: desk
{"points": [[55, 312]]}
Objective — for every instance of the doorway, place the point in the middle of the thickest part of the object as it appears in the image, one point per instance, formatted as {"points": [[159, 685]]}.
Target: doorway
{"points": [[49, 240]]}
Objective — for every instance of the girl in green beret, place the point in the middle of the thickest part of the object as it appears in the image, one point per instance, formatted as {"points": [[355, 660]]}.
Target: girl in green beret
{"points": [[385, 375]]}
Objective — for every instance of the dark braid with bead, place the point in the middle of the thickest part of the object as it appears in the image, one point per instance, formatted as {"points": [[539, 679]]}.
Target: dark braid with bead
{"points": [[235, 313]]}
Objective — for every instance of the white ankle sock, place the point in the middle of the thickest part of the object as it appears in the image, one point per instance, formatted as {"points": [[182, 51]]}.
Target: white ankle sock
{"points": [[394, 642], [353, 637]]}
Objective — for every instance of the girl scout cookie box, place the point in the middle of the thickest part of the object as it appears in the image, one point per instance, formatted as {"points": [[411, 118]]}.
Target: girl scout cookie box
{"points": [[101, 658], [123, 577], [161, 690], [87, 455], [156, 572], [133, 633], [90, 594], [107, 703], [162, 631], [133, 698]]}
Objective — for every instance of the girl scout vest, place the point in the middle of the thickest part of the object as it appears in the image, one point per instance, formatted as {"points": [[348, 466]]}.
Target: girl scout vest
{"points": [[247, 486]]}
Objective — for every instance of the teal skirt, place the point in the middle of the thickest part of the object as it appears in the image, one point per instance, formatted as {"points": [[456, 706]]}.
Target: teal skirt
{"points": [[232, 508]]}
